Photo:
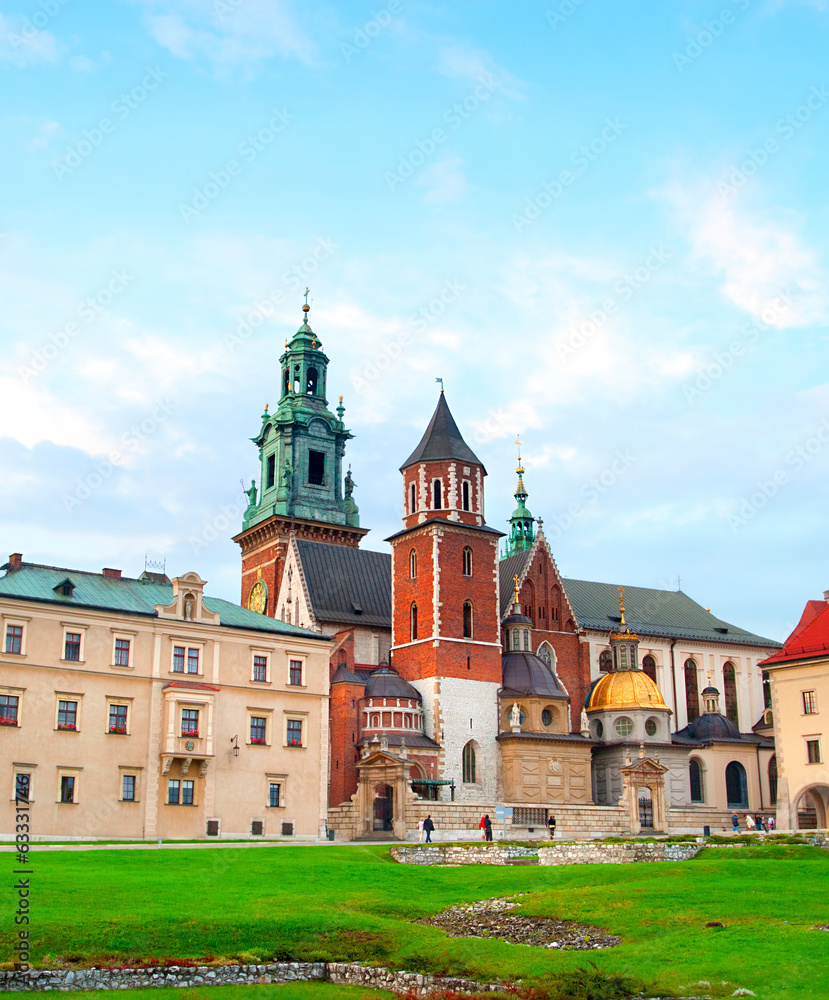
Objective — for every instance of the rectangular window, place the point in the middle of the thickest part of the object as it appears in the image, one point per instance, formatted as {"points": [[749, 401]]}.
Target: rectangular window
{"points": [[173, 788], [275, 794], [22, 786], [67, 789], [260, 668], [295, 674], [178, 659], [271, 471], [294, 733], [187, 793], [809, 702], [189, 722], [67, 715], [192, 661], [122, 652], [14, 638], [128, 788], [813, 751], [118, 719], [316, 468], [257, 729], [72, 646], [8, 709]]}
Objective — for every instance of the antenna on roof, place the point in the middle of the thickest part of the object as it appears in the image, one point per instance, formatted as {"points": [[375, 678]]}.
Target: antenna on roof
{"points": [[155, 565]]}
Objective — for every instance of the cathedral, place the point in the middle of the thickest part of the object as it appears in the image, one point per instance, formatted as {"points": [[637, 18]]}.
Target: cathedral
{"points": [[466, 675]]}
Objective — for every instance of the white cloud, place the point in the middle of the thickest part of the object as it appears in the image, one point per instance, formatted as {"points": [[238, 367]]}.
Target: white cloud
{"points": [[22, 45], [46, 131]]}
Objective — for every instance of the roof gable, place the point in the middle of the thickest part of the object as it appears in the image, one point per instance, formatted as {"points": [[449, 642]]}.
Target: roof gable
{"points": [[442, 440], [346, 584]]}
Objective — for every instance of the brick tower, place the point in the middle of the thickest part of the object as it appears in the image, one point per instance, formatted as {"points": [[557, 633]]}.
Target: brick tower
{"points": [[445, 621], [301, 491]]}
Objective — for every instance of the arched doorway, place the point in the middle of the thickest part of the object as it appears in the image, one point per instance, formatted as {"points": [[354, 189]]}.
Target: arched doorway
{"points": [[645, 809], [736, 786], [696, 773], [810, 808], [383, 807]]}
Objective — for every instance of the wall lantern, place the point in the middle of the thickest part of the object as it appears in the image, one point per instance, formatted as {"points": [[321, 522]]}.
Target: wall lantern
{"points": [[235, 741]]}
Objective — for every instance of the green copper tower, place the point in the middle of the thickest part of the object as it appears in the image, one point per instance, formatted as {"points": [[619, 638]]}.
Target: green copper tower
{"points": [[302, 443], [521, 532]]}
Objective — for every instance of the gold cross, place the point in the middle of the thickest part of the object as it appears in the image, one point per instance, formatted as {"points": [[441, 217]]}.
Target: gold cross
{"points": [[307, 292]]}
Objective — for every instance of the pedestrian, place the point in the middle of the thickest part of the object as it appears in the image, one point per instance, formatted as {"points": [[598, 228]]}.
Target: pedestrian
{"points": [[428, 826], [482, 827], [487, 827], [758, 822], [420, 831], [749, 822], [551, 826], [735, 823], [770, 824]]}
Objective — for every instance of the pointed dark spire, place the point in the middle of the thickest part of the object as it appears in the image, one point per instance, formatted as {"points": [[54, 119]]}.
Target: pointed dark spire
{"points": [[442, 440]]}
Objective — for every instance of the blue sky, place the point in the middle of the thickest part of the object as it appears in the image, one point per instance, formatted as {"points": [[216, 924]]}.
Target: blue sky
{"points": [[604, 225]]}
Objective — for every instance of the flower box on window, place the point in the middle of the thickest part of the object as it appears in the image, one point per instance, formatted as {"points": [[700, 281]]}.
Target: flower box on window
{"points": [[189, 732], [7, 722], [119, 730], [258, 741], [69, 727]]}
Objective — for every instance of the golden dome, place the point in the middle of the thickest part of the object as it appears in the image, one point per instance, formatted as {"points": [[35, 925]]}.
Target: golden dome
{"points": [[626, 689]]}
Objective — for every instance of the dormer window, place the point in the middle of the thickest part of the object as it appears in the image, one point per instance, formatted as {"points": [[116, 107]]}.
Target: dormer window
{"points": [[65, 588]]}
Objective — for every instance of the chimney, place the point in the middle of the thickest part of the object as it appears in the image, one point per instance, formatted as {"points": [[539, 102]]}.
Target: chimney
{"points": [[15, 560], [112, 574]]}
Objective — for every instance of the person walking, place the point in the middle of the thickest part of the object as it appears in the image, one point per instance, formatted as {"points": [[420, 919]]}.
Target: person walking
{"points": [[758, 822], [428, 826], [482, 827], [735, 823], [749, 822], [551, 825], [770, 824], [420, 831], [487, 827]]}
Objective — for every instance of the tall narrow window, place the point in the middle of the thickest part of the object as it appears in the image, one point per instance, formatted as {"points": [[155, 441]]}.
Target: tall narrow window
{"points": [[695, 774], [14, 638], [691, 690], [260, 668], [467, 619], [295, 673], [649, 667], [437, 504], [192, 661], [67, 789], [273, 796], [294, 732], [72, 648], [736, 786], [413, 622], [412, 564], [270, 477], [173, 791], [311, 382], [189, 722], [128, 788], [469, 764], [766, 690], [773, 779], [467, 561], [316, 468], [465, 496], [813, 751], [729, 677], [412, 499], [526, 640], [809, 702], [605, 661], [122, 652]]}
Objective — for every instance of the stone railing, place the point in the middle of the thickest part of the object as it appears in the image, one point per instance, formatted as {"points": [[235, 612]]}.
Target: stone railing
{"points": [[615, 854], [455, 854], [225, 975]]}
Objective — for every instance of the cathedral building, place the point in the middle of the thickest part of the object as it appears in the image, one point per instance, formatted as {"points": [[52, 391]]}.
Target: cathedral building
{"points": [[466, 672]]}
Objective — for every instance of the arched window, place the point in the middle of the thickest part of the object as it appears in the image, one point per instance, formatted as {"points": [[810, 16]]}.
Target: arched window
{"points": [[526, 640], [412, 564], [437, 505], [606, 661], [469, 763], [467, 561], [766, 690], [413, 622], [649, 667], [736, 786], [516, 638], [729, 679], [467, 619], [773, 778], [286, 382], [412, 499], [465, 496], [311, 380], [691, 690], [696, 774]]}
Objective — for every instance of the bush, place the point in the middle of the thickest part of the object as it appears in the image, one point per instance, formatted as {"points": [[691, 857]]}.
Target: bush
{"points": [[586, 984]]}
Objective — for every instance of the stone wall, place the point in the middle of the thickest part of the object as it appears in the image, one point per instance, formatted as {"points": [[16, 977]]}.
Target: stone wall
{"points": [[451, 854], [615, 854], [225, 975]]}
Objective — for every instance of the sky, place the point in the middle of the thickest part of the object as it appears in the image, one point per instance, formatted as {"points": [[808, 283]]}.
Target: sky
{"points": [[604, 225]]}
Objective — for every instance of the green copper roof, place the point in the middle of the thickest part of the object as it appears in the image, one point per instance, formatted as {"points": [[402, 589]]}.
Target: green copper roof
{"points": [[521, 531], [33, 582]]}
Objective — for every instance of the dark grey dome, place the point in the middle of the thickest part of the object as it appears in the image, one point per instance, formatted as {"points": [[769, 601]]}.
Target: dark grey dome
{"points": [[711, 726], [385, 683], [527, 674], [517, 620], [710, 690]]}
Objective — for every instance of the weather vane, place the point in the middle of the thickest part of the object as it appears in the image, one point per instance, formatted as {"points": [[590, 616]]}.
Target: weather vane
{"points": [[441, 383]]}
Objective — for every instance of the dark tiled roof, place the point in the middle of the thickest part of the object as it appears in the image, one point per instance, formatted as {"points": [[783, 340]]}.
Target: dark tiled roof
{"points": [[33, 582], [442, 440], [664, 613], [342, 675], [508, 569], [452, 524], [395, 740], [711, 726], [526, 675], [346, 584], [385, 683]]}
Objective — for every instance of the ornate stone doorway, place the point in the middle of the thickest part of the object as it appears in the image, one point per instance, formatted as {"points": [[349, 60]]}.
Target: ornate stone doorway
{"points": [[645, 809], [383, 808]]}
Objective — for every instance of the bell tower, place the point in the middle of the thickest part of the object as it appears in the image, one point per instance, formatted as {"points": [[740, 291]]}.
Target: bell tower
{"points": [[521, 531], [301, 490]]}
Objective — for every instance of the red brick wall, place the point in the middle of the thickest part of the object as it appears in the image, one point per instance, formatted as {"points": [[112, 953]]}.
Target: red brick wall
{"points": [[443, 471], [344, 716], [270, 558]]}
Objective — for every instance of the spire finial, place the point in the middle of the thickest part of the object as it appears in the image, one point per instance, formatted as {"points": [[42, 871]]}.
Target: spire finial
{"points": [[515, 580], [441, 383], [622, 604]]}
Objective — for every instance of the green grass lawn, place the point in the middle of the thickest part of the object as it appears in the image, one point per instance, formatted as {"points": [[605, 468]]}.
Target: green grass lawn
{"points": [[355, 903]]}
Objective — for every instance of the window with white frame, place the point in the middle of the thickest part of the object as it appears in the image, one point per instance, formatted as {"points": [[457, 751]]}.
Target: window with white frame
{"points": [[9, 709], [14, 639], [180, 792], [68, 718], [258, 728], [276, 791], [186, 659], [118, 714], [294, 732], [809, 702], [813, 750], [23, 788], [68, 785], [295, 670], [260, 668], [129, 788], [190, 722], [121, 652], [72, 643]]}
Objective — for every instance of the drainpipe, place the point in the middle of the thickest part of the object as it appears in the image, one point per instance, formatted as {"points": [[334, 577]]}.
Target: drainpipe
{"points": [[673, 684]]}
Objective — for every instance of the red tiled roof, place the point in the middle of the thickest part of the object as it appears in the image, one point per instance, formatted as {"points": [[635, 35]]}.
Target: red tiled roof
{"points": [[191, 686], [809, 639]]}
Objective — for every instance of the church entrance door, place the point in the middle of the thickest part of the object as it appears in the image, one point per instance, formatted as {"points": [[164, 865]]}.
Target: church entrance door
{"points": [[383, 807], [645, 809]]}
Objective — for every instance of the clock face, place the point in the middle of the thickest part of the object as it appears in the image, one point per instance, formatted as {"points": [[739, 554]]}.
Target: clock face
{"points": [[258, 597]]}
